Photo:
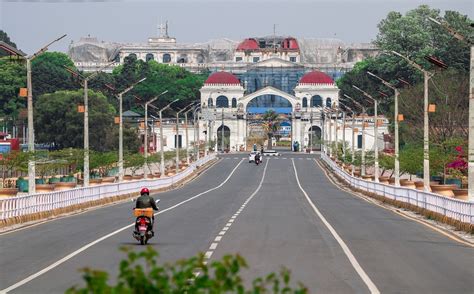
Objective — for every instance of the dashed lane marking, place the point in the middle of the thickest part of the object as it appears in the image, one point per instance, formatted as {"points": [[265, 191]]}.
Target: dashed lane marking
{"points": [[228, 225], [355, 264]]}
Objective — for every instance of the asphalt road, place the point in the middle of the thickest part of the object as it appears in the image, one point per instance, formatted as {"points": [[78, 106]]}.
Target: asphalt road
{"points": [[342, 244]]}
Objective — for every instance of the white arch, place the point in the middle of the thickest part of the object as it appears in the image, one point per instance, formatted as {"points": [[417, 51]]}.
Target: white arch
{"points": [[269, 90]]}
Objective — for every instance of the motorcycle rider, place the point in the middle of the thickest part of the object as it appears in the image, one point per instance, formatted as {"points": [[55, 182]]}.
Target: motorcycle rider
{"points": [[146, 201], [257, 158]]}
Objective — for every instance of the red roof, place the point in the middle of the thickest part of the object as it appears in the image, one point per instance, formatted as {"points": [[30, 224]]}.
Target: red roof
{"points": [[222, 77], [316, 77], [248, 44]]}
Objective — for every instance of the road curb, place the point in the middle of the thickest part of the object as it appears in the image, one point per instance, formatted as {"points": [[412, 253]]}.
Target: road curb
{"points": [[394, 205]]}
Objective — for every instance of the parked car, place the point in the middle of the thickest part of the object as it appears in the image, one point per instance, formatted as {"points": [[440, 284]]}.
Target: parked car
{"points": [[271, 153]]}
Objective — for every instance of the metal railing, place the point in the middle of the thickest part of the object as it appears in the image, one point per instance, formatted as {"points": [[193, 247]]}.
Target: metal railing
{"points": [[456, 209], [41, 202]]}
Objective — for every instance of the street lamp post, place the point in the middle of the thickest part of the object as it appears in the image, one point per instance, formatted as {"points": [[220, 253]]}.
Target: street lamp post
{"points": [[196, 131], [186, 130], [162, 150], [426, 147], [120, 97], [364, 113], [145, 150], [86, 116], [177, 136], [470, 172], [353, 134], [397, 152], [376, 133], [31, 134]]}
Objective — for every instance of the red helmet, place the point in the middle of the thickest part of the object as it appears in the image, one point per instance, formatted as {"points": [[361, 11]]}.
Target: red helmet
{"points": [[145, 191]]}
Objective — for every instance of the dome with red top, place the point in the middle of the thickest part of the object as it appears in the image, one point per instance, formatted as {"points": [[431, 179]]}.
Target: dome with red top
{"points": [[248, 44], [316, 77], [222, 77]]}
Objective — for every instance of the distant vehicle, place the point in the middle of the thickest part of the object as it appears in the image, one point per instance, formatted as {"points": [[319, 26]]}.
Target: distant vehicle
{"points": [[271, 153], [252, 156]]}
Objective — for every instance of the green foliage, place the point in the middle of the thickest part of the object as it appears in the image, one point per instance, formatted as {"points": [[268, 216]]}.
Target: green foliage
{"points": [[180, 83], [53, 162], [10, 162], [140, 273], [103, 162], [131, 140], [5, 38], [134, 161], [270, 125], [12, 78], [386, 162], [49, 74], [58, 121]]}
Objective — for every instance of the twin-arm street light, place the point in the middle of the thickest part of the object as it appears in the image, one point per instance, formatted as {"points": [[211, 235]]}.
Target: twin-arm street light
{"points": [[120, 97], [31, 131], [145, 150], [470, 172], [162, 150], [376, 133], [353, 134], [186, 128], [196, 131], [177, 135], [426, 147], [397, 152], [86, 115], [364, 113]]}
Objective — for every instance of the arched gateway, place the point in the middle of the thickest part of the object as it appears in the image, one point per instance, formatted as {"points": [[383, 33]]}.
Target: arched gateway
{"points": [[299, 117]]}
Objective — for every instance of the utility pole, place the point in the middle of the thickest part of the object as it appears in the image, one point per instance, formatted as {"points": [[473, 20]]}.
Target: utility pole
{"points": [[397, 144], [31, 131], [86, 116], [470, 172], [353, 134], [426, 147], [362, 170], [222, 132], [177, 136], [162, 150], [376, 133], [120, 97], [145, 150]]}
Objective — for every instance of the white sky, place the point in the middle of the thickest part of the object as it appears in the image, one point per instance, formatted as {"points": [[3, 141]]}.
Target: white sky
{"points": [[32, 23]]}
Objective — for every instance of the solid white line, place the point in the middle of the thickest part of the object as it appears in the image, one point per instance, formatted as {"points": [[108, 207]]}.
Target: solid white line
{"points": [[355, 264], [213, 246], [87, 246]]}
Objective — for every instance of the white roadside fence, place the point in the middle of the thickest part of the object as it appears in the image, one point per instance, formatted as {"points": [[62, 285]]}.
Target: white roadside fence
{"points": [[456, 209], [40, 202]]}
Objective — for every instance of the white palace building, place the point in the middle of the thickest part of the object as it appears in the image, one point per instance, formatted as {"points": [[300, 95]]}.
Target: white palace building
{"points": [[226, 105]]}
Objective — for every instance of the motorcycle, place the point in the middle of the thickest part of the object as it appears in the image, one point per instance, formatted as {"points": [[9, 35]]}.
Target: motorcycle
{"points": [[258, 161], [143, 224]]}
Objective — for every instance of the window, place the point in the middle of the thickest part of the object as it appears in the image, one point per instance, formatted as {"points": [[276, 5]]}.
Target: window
{"points": [[180, 143], [149, 57], [166, 58], [234, 103], [237, 59], [222, 102], [305, 102], [210, 103], [183, 58], [359, 141], [316, 101], [256, 59], [328, 102], [293, 59]]}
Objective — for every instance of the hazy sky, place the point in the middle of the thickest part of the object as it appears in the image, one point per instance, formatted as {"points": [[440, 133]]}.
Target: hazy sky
{"points": [[32, 23]]}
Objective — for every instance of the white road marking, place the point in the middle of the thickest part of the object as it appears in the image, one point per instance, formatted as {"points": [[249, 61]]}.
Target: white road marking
{"points": [[229, 223], [308, 159], [355, 264], [284, 158], [87, 246]]}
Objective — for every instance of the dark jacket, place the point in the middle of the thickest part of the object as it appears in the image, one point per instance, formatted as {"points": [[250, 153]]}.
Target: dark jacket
{"points": [[146, 201]]}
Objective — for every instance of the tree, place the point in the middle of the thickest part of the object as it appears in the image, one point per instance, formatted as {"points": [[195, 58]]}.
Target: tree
{"points": [[12, 78], [49, 74], [180, 83], [140, 273], [5, 38], [131, 141], [271, 125], [58, 121]]}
